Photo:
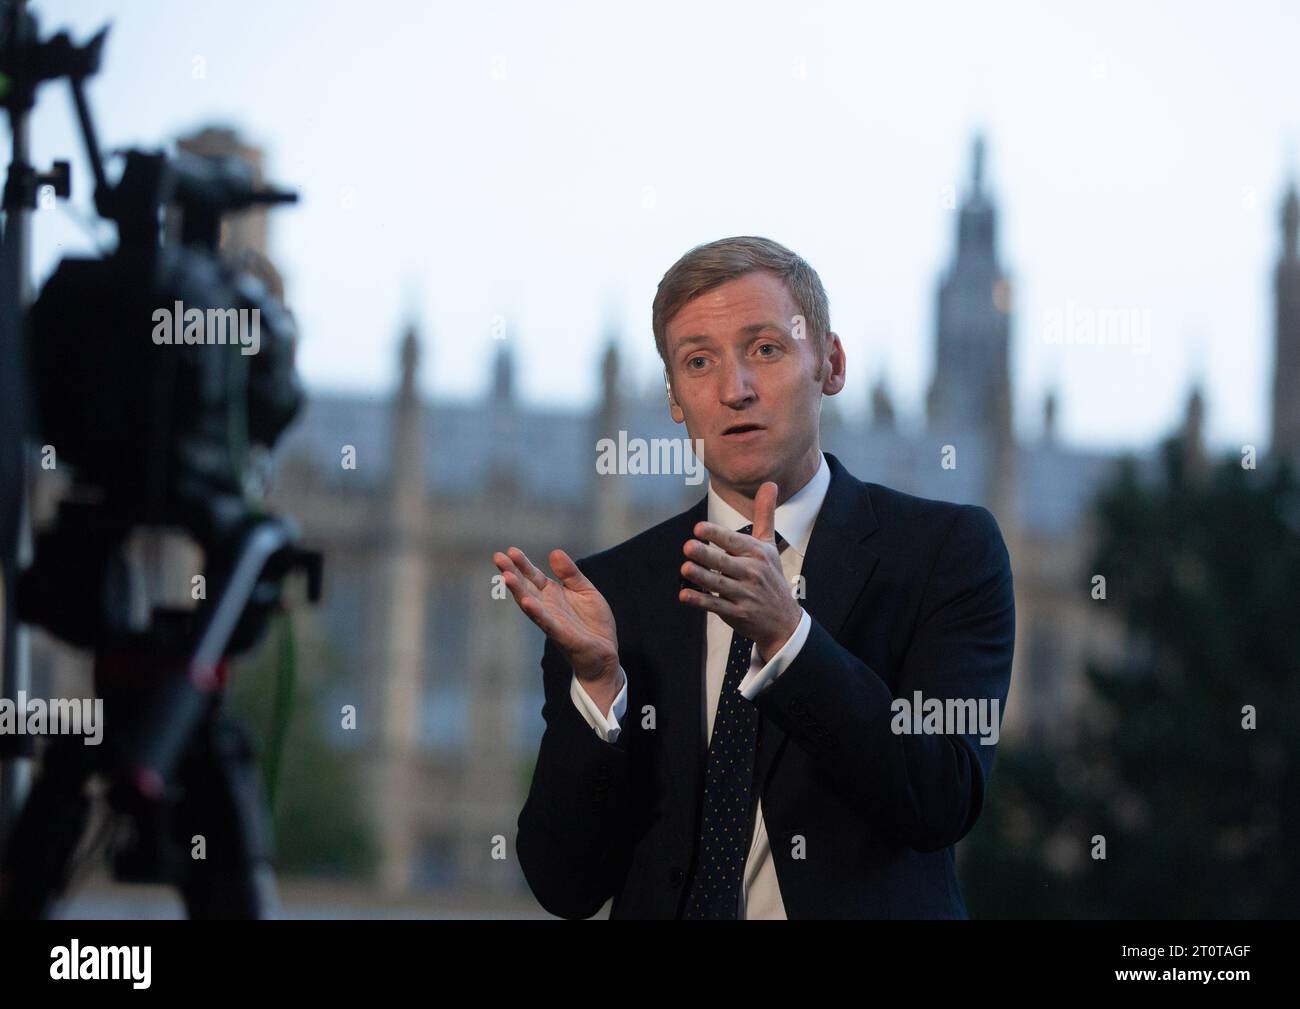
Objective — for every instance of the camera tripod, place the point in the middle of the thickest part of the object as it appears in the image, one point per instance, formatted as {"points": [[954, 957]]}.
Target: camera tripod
{"points": [[182, 775]]}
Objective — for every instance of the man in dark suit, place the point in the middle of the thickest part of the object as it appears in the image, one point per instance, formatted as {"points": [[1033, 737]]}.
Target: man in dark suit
{"points": [[728, 722]]}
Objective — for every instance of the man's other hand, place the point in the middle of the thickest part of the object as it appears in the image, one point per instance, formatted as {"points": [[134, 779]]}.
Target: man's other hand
{"points": [[571, 611]]}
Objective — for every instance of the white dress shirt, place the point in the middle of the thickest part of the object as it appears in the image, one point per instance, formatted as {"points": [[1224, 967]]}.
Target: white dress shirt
{"points": [[760, 896]]}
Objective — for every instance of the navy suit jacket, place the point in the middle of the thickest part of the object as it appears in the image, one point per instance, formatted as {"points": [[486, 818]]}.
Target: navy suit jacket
{"points": [[905, 594]]}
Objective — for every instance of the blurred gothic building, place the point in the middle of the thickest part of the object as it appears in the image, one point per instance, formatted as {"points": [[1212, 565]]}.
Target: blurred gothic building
{"points": [[409, 498], [450, 675]]}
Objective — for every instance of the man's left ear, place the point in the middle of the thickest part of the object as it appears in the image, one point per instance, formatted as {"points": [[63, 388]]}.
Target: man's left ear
{"points": [[827, 368]]}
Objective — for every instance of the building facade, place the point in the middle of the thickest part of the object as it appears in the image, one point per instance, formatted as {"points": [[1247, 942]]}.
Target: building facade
{"points": [[409, 498]]}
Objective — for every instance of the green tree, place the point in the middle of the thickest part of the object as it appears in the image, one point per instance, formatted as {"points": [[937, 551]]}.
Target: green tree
{"points": [[1200, 811], [319, 826]]}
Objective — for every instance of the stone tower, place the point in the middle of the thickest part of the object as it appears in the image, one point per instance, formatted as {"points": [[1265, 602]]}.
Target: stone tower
{"points": [[969, 399], [1285, 441], [611, 518], [405, 528]]}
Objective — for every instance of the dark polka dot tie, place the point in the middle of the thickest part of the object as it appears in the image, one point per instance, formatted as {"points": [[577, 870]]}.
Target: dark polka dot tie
{"points": [[723, 843]]}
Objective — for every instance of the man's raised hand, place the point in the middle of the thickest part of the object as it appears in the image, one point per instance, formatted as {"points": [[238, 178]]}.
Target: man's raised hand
{"points": [[745, 571], [571, 611]]}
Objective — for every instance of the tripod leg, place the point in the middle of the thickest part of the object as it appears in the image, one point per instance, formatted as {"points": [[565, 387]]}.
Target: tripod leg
{"points": [[223, 805], [37, 863]]}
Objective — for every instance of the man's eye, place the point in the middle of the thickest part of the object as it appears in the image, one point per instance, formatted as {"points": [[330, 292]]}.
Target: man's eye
{"points": [[772, 345], [690, 361]]}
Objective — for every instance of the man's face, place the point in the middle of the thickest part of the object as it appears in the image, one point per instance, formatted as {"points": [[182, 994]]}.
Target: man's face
{"points": [[745, 383]]}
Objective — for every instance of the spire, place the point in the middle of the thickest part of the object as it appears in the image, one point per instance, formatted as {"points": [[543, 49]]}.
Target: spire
{"points": [[977, 165], [505, 423], [1285, 435], [611, 521], [1049, 417], [977, 223], [970, 391], [503, 375], [610, 362], [406, 472], [409, 361], [609, 366], [1193, 433], [882, 407], [1290, 225]]}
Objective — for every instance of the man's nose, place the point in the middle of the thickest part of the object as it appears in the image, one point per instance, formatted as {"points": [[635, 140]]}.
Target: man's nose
{"points": [[737, 383]]}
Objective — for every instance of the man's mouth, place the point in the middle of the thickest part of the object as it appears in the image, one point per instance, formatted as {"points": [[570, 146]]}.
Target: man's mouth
{"points": [[742, 432]]}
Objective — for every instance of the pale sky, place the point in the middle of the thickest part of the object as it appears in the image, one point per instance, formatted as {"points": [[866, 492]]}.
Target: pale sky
{"points": [[546, 163]]}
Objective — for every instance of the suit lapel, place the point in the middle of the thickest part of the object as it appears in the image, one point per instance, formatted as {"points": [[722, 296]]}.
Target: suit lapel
{"points": [[835, 570]]}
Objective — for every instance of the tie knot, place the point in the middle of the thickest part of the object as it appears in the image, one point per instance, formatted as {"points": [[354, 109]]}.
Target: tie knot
{"points": [[780, 540]]}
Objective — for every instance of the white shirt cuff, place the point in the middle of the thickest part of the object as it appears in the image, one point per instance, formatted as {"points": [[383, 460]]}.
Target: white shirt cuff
{"points": [[607, 728], [757, 679]]}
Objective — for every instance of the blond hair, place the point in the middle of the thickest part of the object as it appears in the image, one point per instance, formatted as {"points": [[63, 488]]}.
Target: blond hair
{"points": [[714, 264]]}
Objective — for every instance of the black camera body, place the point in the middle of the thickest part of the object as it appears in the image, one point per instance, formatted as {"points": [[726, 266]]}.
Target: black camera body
{"points": [[162, 426], [158, 372]]}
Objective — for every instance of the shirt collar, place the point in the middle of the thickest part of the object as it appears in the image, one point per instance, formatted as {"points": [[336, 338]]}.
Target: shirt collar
{"points": [[794, 518]]}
